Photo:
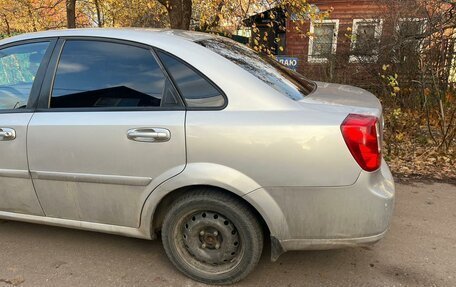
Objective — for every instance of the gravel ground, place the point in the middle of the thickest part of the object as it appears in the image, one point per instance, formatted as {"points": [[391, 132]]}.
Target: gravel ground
{"points": [[419, 250]]}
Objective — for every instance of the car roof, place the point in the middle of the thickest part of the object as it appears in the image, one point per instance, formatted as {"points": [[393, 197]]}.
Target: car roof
{"points": [[117, 33], [182, 44]]}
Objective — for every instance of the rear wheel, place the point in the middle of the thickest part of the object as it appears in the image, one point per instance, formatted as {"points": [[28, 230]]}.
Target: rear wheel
{"points": [[212, 237]]}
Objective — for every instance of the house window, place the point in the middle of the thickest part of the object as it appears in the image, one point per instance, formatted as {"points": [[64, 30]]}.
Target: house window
{"points": [[409, 39], [410, 27], [366, 40], [323, 42]]}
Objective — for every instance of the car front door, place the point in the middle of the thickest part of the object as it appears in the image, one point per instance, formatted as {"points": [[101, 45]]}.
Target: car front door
{"points": [[109, 128], [22, 66]]}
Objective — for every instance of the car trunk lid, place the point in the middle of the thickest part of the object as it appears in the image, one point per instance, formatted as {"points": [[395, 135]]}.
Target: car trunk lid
{"points": [[356, 100]]}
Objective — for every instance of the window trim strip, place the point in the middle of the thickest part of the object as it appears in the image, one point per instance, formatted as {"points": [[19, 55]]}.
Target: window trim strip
{"points": [[46, 92], [225, 98], [40, 75], [47, 83]]}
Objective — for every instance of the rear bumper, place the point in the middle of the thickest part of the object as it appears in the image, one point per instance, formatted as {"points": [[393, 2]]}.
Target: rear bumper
{"points": [[324, 244], [310, 218], [279, 247]]}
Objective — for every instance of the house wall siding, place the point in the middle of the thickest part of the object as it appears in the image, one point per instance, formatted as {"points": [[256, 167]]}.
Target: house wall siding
{"points": [[342, 70]]}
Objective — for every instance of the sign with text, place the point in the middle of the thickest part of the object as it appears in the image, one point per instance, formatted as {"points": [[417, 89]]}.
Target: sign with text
{"points": [[289, 62]]}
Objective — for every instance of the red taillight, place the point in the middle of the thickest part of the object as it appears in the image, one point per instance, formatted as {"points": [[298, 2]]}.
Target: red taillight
{"points": [[361, 134]]}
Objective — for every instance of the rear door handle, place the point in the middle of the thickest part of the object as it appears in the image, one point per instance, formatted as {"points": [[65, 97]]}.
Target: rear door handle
{"points": [[149, 135], [7, 134]]}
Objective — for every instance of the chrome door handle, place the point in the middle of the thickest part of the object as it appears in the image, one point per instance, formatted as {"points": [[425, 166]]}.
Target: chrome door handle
{"points": [[7, 134], [149, 135]]}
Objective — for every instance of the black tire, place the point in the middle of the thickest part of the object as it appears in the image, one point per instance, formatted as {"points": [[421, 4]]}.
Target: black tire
{"points": [[188, 237]]}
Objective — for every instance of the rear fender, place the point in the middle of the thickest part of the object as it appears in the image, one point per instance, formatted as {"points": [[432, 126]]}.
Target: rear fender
{"points": [[221, 177]]}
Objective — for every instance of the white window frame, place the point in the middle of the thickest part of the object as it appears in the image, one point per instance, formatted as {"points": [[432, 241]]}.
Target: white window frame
{"points": [[378, 34], [318, 59], [402, 20], [422, 28], [452, 76]]}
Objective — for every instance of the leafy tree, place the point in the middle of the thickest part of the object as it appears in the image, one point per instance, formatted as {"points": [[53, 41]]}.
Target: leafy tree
{"points": [[133, 13], [22, 16]]}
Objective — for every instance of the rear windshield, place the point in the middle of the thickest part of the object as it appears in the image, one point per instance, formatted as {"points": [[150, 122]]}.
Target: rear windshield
{"points": [[265, 68]]}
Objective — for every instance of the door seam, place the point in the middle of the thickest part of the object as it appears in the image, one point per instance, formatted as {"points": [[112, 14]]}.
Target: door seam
{"points": [[28, 163]]}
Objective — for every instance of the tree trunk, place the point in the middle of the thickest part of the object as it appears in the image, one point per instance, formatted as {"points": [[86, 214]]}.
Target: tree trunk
{"points": [[179, 13], [99, 20], [8, 27], [32, 18], [71, 13]]}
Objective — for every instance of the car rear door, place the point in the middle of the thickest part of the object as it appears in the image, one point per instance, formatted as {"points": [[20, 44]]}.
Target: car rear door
{"points": [[108, 129], [22, 67]]}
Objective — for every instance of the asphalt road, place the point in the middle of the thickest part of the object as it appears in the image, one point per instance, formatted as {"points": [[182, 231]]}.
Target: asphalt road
{"points": [[419, 250]]}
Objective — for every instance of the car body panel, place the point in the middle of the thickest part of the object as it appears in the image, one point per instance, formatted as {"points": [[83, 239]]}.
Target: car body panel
{"points": [[343, 95], [75, 224], [195, 174], [101, 175], [276, 148], [16, 189], [360, 210], [286, 158]]}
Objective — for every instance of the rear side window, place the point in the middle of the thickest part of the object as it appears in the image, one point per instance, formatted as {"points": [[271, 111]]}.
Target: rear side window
{"points": [[96, 74], [18, 68], [285, 81], [196, 90]]}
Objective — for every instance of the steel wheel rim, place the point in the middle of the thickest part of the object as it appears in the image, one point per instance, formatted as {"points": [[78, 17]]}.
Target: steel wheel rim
{"points": [[208, 241]]}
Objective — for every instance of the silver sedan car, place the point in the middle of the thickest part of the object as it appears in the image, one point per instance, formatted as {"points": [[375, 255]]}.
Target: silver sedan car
{"points": [[191, 137]]}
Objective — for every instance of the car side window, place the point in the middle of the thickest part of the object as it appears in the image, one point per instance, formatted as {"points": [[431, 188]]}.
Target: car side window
{"points": [[197, 91], [18, 68], [99, 74]]}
